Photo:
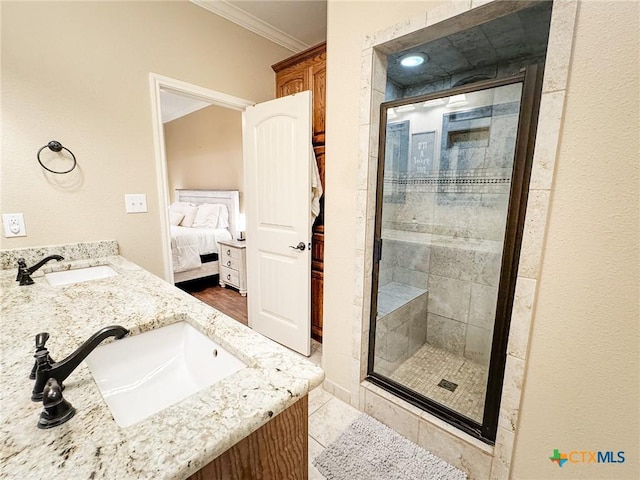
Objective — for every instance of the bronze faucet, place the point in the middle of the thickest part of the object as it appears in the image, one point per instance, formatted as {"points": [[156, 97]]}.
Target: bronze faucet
{"points": [[61, 370], [24, 272]]}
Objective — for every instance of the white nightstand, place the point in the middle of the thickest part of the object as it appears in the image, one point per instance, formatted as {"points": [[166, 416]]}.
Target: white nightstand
{"points": [[233, 270]]}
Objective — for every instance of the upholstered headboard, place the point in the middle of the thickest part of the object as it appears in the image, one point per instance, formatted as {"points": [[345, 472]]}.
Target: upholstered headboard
{"points": [[230, 198]]}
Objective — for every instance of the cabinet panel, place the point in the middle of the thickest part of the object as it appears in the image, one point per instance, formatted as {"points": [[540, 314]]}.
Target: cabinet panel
{"points": [[290, 82], [317, 294], [318, 81], [317, 285], [317, 251]]}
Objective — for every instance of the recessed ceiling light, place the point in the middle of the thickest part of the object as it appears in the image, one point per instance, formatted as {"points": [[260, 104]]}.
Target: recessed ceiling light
{"points": [[412, 60]]}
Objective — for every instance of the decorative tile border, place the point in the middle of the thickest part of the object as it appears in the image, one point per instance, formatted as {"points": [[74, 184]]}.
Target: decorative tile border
{"points": [[70, 252], [497, 460]]}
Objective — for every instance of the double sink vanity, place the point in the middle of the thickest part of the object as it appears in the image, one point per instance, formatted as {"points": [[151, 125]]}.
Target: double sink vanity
{"points": [[188, 393]]}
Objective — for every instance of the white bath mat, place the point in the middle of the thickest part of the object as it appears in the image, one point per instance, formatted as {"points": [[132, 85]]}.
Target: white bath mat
{"points": [[369, 450]]}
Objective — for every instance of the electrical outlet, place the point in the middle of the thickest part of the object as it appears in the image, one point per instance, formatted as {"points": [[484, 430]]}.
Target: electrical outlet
{"points": [[135, 202], [13, 224]]}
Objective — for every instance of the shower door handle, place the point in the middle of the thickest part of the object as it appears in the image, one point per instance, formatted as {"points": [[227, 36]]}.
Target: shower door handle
{"points": [[301, 246]]}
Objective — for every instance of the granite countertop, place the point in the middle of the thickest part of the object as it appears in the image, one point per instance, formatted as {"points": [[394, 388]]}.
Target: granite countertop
{"points": [[171, 444]]}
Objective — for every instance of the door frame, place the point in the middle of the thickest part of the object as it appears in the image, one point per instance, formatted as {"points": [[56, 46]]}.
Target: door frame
{"points": [[485, 430], [157, 82]]}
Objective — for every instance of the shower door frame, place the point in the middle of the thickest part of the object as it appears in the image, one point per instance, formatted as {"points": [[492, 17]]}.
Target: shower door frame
{"points": [[531, 79]]}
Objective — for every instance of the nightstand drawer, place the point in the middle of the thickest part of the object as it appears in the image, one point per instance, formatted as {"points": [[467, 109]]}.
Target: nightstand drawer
{"points": [[229, 276], [227, 252], [232, 263]]}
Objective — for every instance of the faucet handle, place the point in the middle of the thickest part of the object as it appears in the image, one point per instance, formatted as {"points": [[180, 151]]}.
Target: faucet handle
{"points": [[22, 266], [57, 410], [43, 367], [41, 339]]}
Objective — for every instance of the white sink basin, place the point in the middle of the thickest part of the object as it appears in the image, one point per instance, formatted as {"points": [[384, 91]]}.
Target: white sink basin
{"points": [[143, 374], [77, 275]]}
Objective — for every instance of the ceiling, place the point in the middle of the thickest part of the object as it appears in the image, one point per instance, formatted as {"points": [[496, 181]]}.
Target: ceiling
{"points": [[300, 24], [519, 35], [293, 24], [175, 105]]}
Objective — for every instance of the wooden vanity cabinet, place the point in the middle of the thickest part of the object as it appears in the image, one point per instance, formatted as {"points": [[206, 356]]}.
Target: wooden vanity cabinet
{"points": [[278, 450], [307, 71]]}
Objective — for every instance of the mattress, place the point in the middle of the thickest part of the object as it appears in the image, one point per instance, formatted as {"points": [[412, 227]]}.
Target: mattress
{"points": [[189, 244]]}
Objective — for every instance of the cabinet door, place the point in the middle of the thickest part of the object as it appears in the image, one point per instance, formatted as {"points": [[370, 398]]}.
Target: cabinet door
{"points": [[317, 280], [317, 290], [318, 74], [292, 82]]}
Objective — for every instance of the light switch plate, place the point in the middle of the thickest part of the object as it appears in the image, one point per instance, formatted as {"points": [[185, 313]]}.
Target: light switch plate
{"points": [[135, 202], [13, 224]]}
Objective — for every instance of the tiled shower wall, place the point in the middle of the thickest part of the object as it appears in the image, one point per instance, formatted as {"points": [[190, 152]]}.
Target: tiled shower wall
{"points": [[443, 227], [462, 280]]}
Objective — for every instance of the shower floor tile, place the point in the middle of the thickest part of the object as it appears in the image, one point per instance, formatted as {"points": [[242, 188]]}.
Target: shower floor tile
{"points": [[429, 365]]}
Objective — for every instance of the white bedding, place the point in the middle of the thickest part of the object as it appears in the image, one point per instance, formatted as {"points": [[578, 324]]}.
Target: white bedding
{"points": [[187, 244]]}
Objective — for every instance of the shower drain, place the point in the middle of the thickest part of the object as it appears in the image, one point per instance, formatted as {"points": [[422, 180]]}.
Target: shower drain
{"points": [[447, 385]]}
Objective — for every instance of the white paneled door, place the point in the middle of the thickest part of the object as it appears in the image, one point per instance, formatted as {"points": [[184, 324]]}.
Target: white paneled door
{"points": [[277, 197]]}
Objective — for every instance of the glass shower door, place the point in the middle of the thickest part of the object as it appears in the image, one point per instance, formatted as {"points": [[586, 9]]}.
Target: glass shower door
{"points": [[444, 195]]}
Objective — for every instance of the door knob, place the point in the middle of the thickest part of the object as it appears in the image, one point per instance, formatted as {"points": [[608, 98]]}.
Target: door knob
{"points": [[301, 246]]}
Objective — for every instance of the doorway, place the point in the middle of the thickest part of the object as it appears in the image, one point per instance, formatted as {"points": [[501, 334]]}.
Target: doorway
{"points": [[271, 293], [171, 99], [210, 97]]}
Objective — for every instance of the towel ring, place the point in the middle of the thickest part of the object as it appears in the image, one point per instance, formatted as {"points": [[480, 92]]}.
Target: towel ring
{"points": [[55, 146]]}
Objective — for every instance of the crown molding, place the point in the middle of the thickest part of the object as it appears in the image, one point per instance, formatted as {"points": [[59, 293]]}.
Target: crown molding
{"points": [[254, 24]]}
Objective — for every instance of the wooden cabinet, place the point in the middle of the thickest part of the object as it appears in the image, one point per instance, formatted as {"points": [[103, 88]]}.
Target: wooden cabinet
{"points": [[277, 450], [233, 270], [307, 71]]}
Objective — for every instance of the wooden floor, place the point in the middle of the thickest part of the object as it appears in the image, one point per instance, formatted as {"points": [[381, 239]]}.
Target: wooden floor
{"points": [[227, 300]]}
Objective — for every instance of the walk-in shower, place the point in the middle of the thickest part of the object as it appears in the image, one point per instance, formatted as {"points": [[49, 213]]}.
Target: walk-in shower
{"points": [[454, 164]]}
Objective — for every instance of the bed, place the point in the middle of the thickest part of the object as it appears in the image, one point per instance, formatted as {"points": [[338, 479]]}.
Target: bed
{"points": [[199, 219]]}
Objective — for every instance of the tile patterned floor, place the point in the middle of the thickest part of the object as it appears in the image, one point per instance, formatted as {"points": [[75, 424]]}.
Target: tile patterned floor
{"points": [[328, 418], [429, 365]]}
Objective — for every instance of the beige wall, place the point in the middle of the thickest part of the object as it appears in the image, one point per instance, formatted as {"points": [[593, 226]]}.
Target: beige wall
{"points": [[582, 380], [581, 383], [204, 150], [347, 24], [78, 72]]}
